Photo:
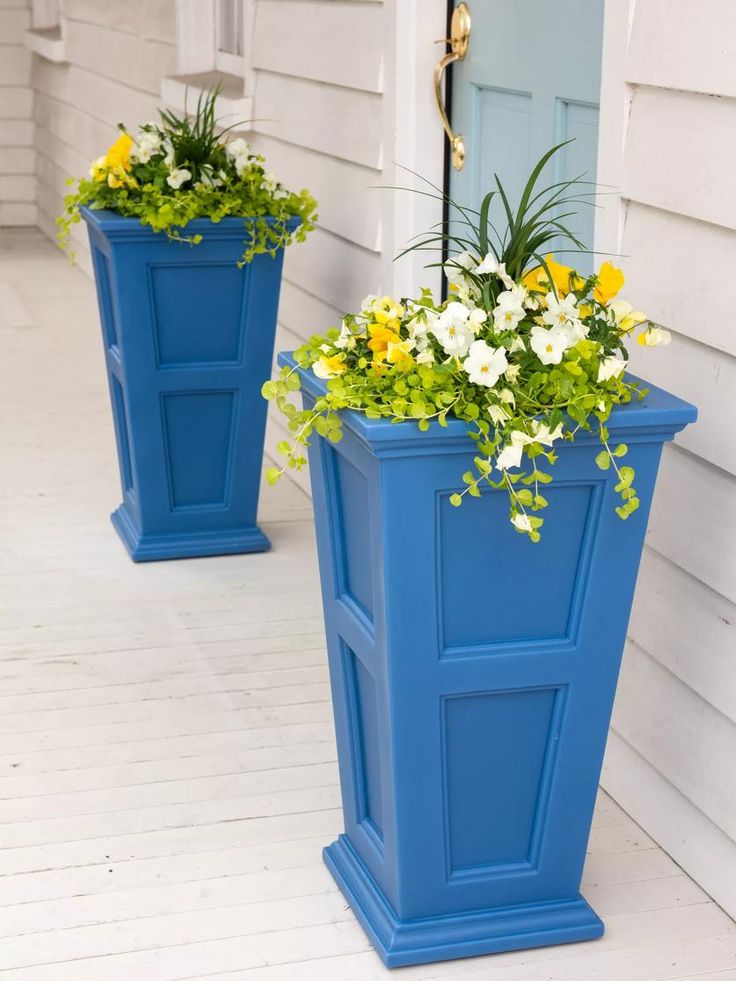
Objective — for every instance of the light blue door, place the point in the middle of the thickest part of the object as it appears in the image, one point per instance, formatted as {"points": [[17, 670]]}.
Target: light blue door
{"points": [[531, 79]]}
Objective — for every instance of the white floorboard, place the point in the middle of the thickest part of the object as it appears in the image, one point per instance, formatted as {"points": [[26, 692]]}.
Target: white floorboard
{"points": [[167, 762]]}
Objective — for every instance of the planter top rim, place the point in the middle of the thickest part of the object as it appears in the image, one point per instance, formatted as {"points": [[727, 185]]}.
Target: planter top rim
{"points": [[659, 413], [114, 224]]}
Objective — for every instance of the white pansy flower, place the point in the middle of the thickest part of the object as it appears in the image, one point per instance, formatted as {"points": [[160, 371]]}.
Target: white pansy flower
{"points": [[522, 522], [611, 368], [654, 337], [560, 310], [543, 434], [425, 357], [564, 313], [490, 264], [97, 165], [238, 148], [454, 329], [169, 159], [510, 456], [346, 340], [178, 177], [549, 343], [507, 396], [367, 302], [498, 414], [270, 182], [625, 316], [457, 266], [485, 364], [509, 309], [512, 372], [517, 344], [146, 146]]}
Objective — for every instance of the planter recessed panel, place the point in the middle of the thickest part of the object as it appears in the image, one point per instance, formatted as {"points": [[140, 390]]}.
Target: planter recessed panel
{"points": [[472, 710], [553, 578], [496, 797], [188, 344], [186, 333]]}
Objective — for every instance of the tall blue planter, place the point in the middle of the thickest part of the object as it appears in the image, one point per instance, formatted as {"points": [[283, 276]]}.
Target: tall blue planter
{"points": [[473, 675], [188, 343]]}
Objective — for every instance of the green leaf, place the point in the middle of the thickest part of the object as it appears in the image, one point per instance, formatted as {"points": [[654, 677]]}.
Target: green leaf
{"points": [[273, 474], [621, 450], [456, 500], [603, 460]]}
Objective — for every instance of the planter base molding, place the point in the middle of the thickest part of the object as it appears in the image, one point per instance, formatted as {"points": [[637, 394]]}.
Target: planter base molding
{"points": [[153, 548], [403, 942]]}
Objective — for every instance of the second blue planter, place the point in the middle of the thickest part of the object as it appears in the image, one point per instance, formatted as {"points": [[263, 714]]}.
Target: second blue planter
{"points": [[188, 342], [473, 675]]}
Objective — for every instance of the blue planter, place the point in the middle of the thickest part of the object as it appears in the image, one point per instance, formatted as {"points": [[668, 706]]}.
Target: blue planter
{"points": [[188, 343], [471, 717]]}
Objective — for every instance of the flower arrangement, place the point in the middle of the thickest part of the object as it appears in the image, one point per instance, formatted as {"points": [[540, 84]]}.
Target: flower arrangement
{"points": [[525, 350], [179, 169]]}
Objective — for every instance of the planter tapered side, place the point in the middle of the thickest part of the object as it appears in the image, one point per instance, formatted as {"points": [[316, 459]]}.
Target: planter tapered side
{"points": [[188, 339], [473, 675]]}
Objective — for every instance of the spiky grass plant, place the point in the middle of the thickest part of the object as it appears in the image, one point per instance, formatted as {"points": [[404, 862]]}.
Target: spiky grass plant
{"points": [[526, 351]]}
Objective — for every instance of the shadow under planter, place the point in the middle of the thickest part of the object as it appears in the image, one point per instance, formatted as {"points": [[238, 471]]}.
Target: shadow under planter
{"points": [[473, 675], [188, 344]]}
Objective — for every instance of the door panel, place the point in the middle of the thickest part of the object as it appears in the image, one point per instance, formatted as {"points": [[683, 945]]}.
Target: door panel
{"points": [[531, 79]]}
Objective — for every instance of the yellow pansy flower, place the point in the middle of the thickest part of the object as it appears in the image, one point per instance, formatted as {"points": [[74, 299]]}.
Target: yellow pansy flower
{"points": [[119, 153], [381, 336], [98, 169], [610, 281], [563, 277], [114, 181], [626, 317], [388, 312], [325, 367], [399, 353]]}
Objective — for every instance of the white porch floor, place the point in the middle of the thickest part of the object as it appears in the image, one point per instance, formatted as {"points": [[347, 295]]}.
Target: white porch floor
{"points": [[167, 767]]}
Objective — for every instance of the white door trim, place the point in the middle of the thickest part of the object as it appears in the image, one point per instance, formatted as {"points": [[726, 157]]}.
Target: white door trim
{"points": [[413, 138]]}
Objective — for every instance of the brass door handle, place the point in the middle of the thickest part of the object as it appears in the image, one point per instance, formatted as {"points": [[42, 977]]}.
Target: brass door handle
{"points": [[459, 42]]}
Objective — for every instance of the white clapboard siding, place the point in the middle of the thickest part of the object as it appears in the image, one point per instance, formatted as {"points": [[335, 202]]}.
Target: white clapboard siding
{"points": [[17, 158], [117, 54], [695, 135], [678, 732], [702, 375], [658, 243], [347, 50], [340, 271], [338, 121], [672, 607], [695, 49], [348, 194], [693, 521], [673, 738]]}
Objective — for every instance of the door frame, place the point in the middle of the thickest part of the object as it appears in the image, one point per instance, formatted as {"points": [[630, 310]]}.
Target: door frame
{"points": [[420, 140]]}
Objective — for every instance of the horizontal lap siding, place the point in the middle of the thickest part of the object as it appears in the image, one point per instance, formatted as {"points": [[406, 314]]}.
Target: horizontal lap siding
{"points": [[319, 120], [116, 56], [670, 759], [17, 183]]}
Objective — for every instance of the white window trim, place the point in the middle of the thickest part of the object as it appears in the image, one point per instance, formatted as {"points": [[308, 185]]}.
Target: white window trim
{"points": [[199, 62], [47, 36]]}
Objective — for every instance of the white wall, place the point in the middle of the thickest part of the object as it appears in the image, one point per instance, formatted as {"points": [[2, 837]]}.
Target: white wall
{"points": [[116, 54], [335, 95], [17, 185], [670, 90]]}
